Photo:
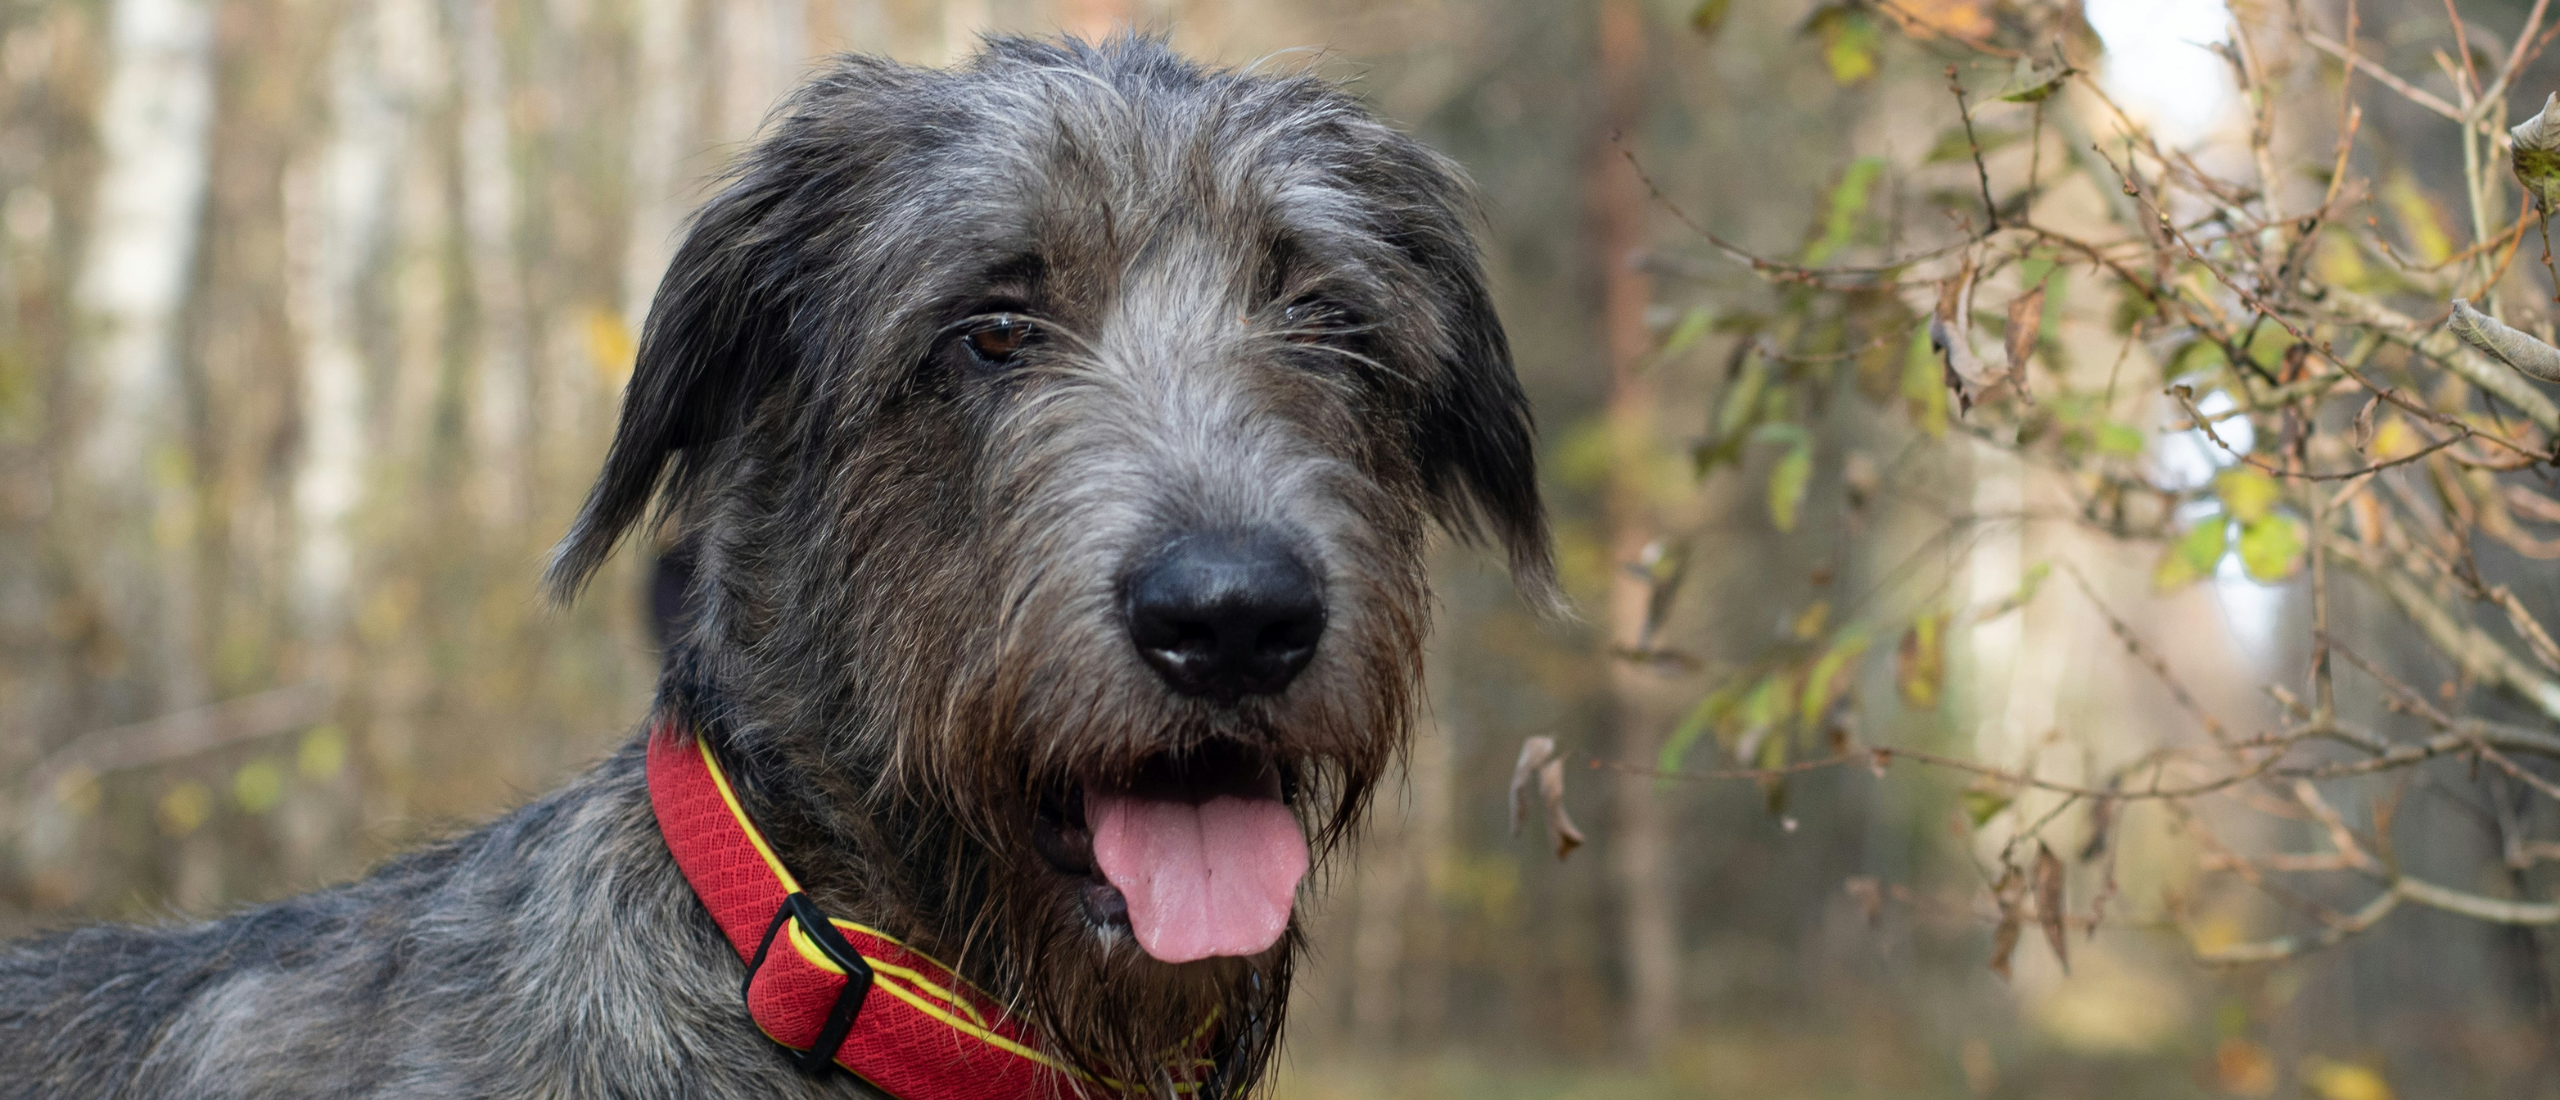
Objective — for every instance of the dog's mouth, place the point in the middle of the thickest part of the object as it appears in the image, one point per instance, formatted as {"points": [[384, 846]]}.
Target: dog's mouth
{"points": [[1196, 854]]}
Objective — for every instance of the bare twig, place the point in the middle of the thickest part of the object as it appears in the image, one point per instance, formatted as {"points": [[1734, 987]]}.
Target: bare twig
{"points": [[185, 733]]}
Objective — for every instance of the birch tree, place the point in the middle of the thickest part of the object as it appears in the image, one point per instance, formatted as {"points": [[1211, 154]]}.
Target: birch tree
{"points": [[132, 473]]}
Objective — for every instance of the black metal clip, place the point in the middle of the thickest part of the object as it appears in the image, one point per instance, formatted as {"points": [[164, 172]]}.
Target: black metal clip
{"points": [[821, 1054]]}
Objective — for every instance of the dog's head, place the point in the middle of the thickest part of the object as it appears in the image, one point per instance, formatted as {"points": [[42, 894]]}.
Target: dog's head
{"points": [[1056, 441]]}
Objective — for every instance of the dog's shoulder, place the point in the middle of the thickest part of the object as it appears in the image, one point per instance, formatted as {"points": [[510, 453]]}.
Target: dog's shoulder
{"points": [[455, 969]]}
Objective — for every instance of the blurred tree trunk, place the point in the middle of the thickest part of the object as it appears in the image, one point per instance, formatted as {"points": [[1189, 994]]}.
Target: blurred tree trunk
{"points": [[1390, 858], [424, 279], [134, 478], [1430, 845], [962, 22], [501, 407], [338, 209], [1640, 845], [664, 138], [334, 212], [763, 45], [1091, 20]]}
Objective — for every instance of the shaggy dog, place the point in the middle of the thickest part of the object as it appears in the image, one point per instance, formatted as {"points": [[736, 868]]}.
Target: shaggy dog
{"points": [[1054, 442]]}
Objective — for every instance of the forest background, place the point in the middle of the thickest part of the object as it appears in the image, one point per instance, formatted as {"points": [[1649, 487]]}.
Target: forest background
{"points": [[1961, 702]]}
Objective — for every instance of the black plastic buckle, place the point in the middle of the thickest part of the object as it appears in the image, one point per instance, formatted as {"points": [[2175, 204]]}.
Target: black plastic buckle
{"points": [[821, 1055]]}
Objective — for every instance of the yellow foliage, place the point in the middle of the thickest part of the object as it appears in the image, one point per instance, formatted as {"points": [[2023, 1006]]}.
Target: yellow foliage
{"points": [[610, 344], [2394, 439], [323, 753], [258, 786], [2242, 1068], [185, 807], [2344, 1081], [2419, 217], [1953, 18]]}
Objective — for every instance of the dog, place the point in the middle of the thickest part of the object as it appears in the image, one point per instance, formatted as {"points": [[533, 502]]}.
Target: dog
{"points": [[1052, 444]]}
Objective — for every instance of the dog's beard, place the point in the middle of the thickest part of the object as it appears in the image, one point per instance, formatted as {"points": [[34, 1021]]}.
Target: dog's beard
{"points": [[1128, 1017]]}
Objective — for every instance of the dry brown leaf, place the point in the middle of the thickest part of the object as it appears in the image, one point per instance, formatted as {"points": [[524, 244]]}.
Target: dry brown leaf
{"points": [[2049, 903], [1540, 763], [2004, 942], [2006, 894], [2532, 505], [1951, 336], [1869, 894], [2026, 320], [1534, 753], [1966, 19], [2098, 904], [2102, 820], [1551, 785], [2513, 347]]}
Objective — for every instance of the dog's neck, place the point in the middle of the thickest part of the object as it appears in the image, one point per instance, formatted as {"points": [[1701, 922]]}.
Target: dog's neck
{"points": [[847, 865]]}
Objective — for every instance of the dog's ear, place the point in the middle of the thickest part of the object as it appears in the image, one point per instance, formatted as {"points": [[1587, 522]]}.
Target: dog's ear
{"points": [[1478, 440], [713, 344], [1476, 445]]}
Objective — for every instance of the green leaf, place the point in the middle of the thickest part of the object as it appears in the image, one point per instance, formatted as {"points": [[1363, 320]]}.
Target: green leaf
{"points": [[1848, 205], [1831, 676], [1920, 668], [2193, 556], [1587, 452], [2271, 548], [2539, 169], [1693, 325], [2195, 358], [1924, 385], [1767, 702], [2247, 492], [2120, 440], [1849, 40], [1788, 482], [1953, 145], [1711, 453], [1741, 397], [1708, 17], [2268, 348], [1710, 711], [2029, 84], [2131, 309], [1773, 756], [258, 786], [323, 753], [1981, 804], [2025, 594]]}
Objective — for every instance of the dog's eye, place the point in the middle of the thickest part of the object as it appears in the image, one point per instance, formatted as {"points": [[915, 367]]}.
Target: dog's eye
{"points": [[999, 339], [1311, 321]]}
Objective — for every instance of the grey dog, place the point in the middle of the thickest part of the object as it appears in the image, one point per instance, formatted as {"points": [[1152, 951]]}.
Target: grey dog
{"points": [[1061, 430]]}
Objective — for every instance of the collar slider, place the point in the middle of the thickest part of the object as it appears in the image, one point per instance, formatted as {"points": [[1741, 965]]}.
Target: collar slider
{"points": [[820, 1058]]}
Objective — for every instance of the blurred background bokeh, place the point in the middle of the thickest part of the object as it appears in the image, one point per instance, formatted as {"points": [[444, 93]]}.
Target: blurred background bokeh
{"points": [[314, 316]]}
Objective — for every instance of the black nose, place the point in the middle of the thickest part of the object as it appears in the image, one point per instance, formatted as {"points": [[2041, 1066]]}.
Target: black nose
{"points": [[1226, 615]]}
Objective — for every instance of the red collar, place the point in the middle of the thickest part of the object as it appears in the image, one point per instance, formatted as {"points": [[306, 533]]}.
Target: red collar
{"points": [[897, 1019]]}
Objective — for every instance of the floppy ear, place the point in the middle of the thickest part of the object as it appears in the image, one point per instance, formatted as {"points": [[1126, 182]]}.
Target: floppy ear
{"points": [[1479, 442], [1475, 443], [713, 344]]}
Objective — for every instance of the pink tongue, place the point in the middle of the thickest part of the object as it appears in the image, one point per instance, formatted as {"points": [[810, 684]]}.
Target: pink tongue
{"points": [[1215, 878]]}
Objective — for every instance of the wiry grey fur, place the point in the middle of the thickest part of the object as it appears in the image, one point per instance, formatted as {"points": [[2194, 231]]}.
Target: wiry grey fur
{"points": [[1260, 307]]}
